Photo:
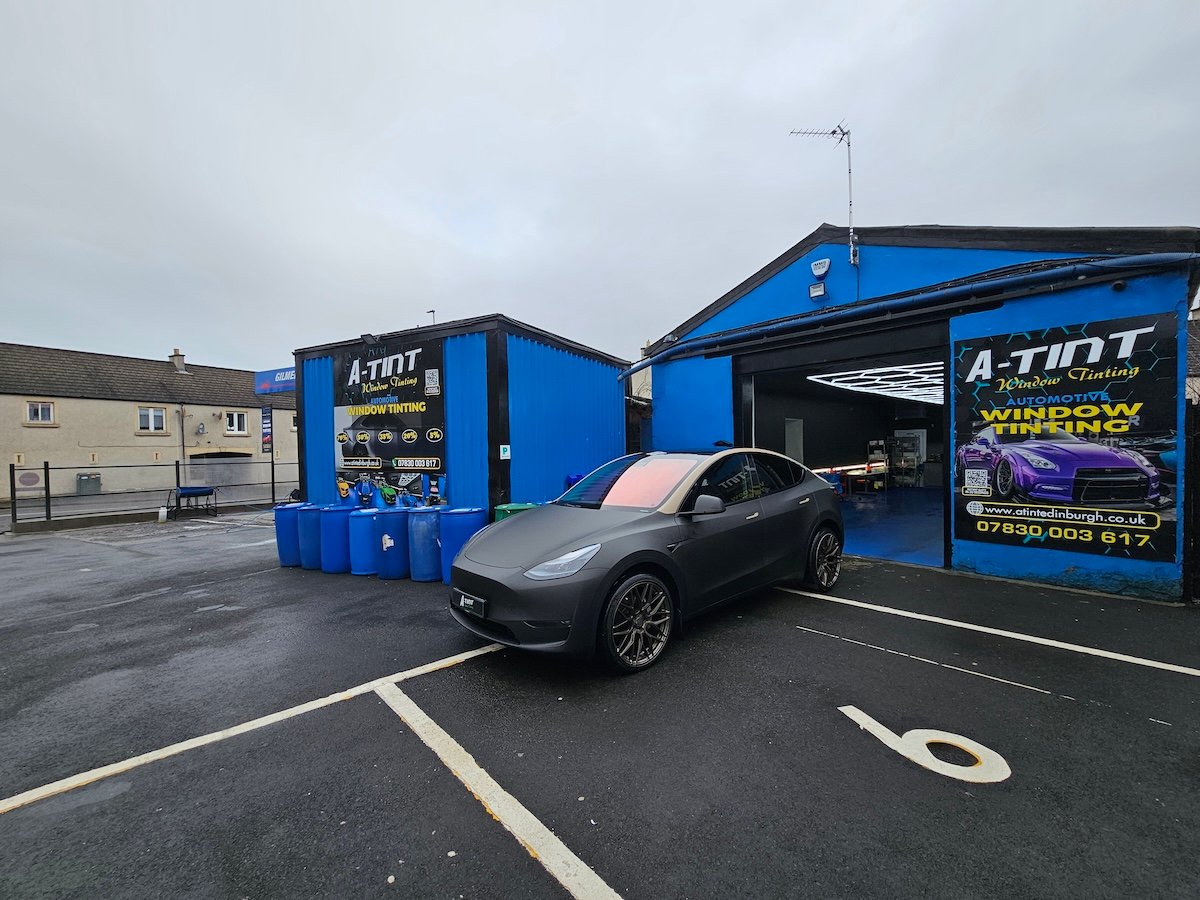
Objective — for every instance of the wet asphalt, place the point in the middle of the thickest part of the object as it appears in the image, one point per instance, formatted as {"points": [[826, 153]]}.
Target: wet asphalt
{"points": [[726, 770]]}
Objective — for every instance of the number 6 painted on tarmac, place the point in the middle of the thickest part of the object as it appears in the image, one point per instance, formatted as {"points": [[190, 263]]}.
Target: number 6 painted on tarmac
{"points": [[989, 766]]}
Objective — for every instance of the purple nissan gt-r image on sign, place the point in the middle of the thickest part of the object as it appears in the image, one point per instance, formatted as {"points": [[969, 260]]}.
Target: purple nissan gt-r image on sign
{"points": [[1058, 467]]}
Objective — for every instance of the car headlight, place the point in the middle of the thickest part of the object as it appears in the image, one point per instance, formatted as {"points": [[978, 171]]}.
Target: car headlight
{"points": [[1138, 458], [1036, 461], [563, 566]]}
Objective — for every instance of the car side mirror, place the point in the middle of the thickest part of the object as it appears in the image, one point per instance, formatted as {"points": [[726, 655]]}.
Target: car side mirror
{"points": [[984, 442], [706, 505]]}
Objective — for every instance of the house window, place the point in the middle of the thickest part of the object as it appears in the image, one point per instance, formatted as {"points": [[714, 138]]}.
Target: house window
{"points": [[235, 423], [152, 418], [39, 412]]}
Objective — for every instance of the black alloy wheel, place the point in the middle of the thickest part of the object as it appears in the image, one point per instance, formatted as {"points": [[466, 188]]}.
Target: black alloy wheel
{"points": [[824, 559], [1005, 480], [636, 623]]}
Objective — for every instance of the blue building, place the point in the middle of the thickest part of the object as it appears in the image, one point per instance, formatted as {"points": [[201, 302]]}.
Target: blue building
{"points": [[499, 411], [1008, 401]]}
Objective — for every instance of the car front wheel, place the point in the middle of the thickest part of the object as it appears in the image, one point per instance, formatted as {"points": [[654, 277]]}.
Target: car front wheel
{"points": [[1006, 480], [637, 623], [824, 559]]}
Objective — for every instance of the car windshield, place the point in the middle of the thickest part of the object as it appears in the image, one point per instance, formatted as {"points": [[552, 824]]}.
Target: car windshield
{"points": [[634, 482]]}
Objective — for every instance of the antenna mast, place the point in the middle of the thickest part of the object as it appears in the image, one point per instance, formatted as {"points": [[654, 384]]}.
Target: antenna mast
{"points": [[840, 133]]}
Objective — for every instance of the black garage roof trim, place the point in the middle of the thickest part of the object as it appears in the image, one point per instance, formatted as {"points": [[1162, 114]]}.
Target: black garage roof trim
{"points": [[494, 321], [37, 372], [1091, 241]]}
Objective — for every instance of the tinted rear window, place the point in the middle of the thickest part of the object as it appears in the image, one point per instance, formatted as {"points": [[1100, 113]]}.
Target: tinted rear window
{"points": [[776, 473]]}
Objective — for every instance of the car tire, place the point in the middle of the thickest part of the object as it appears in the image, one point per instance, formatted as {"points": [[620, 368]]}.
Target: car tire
{"points": [[637, 623], [824, 559], [1005, 479]]}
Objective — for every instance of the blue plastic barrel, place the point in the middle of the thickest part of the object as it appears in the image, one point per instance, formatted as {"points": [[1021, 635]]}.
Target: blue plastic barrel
{"points": [[457, 526], [362, 542], [335, 539], [391, 542], [424, 553], [287, 533], [308, 529]]}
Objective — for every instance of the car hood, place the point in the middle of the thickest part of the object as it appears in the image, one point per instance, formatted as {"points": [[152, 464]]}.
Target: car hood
{"points": [[544, 532], [1082, 454]]}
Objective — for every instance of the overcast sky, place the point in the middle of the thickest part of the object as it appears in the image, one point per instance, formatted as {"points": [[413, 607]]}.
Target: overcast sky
{"points": [[243, 179]]}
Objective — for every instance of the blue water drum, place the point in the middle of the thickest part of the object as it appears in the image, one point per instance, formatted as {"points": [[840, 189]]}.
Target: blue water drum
{"points": [[457, 526], [335, 539], [362, 542], [424, 552], [308, 527], [391, 542], [287, 533]]}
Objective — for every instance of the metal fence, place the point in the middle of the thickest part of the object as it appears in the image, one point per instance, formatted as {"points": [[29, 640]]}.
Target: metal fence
{"points": [[49, 492]]}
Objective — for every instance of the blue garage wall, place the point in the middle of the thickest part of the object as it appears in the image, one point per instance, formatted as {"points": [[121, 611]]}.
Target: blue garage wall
{"points": [[566, 415], [465, 362], [881, 271], [1143, 296], [319, 472], [693, 403]]}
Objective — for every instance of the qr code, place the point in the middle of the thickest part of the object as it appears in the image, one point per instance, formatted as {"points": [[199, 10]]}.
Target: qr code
{"points": [[976, 478], [433, 382]]}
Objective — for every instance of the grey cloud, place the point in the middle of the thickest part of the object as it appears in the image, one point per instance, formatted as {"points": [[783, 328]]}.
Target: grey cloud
{"points": [[242, 179]]}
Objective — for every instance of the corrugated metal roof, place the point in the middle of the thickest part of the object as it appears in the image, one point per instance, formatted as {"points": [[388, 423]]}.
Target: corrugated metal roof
{"points": [[48, 372]]}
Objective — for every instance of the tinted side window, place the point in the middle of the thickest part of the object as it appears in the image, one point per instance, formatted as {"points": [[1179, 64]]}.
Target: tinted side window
{"points": [[776, 474], [730, 479]]}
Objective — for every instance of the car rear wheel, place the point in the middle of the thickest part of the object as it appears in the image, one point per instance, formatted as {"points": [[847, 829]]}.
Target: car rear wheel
{"points": [[824, 559], [637, 623]]}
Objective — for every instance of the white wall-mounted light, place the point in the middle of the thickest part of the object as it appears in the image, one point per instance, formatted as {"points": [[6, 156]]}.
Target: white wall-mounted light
{"points": [[816, 290]]}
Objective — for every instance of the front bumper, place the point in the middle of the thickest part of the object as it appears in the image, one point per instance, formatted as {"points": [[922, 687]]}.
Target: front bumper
{"points": [[1128, 490], [557, 616]]}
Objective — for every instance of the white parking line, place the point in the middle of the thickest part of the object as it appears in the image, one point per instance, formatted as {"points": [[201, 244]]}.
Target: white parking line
{"points": [[543, 845], [1027, 687], [75, 781], [999, 632]]}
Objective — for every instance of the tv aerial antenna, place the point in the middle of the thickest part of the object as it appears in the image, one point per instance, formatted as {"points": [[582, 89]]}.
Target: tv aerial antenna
{"points": [[839, 133]]}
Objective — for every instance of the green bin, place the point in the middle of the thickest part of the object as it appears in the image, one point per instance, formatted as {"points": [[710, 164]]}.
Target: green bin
{"points": [[504, 510], [87, 483]]}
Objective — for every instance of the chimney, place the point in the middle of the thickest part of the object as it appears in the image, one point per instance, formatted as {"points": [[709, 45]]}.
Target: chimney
{"points": [[177, 358]]}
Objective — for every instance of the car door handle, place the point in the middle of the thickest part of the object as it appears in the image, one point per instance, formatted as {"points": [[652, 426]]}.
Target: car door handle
{"points": [[805, 500], [751, 516]]}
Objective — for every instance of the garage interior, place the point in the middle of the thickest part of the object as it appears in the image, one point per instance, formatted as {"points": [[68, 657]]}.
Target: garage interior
{"points": [[873, 424]]}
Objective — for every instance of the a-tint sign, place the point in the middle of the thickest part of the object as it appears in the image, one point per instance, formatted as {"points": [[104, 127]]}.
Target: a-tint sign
{"points": [[274, 381]]}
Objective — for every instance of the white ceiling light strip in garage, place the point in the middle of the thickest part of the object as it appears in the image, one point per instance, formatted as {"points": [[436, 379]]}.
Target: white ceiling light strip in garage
{"points": [[921, 382]]}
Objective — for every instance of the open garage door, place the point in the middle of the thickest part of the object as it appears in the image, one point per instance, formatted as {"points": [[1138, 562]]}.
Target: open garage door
{"points": [[872, 423]]}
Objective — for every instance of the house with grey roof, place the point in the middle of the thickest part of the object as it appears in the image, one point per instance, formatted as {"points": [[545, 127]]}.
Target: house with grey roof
{"points": [[117, 424]]}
